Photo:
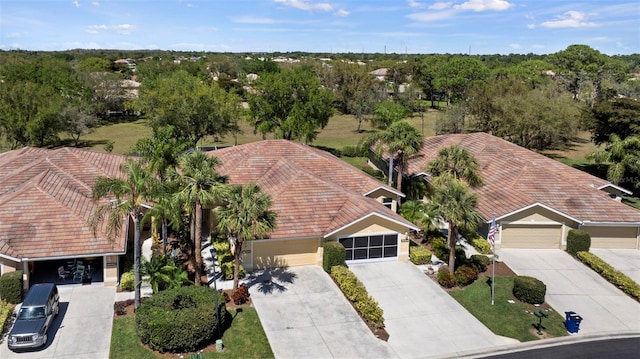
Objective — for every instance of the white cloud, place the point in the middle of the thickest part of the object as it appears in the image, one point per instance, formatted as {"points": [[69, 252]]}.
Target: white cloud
{"points": [[569, 19], [305, 5], [484, 5], [76, 4], [123, 29], [415, 4], [440, 5], [342, 13], [515, 46], [13, 35], [95, 3], [253, 20]]}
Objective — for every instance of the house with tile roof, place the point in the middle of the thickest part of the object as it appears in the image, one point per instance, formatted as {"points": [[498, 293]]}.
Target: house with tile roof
{"points": [[45, 201], [318, 198], [536, 200]]}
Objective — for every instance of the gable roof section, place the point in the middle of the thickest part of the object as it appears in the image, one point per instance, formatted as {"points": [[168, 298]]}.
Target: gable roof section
{"points": [[515, 178], [313, 192], [46, 200]]}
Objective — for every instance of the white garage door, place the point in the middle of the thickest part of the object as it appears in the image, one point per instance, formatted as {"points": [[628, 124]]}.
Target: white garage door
{"points": [[531, 236], [371, 248], [613, 237]]}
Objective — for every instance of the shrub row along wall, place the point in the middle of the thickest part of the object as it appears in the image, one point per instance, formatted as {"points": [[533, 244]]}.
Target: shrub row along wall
{"points": [[611, 274], [333, 254], [356, 292], [5, 312]]}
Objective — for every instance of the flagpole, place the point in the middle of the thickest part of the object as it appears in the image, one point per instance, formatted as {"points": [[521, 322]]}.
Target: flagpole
{"points": [[493, 274]]}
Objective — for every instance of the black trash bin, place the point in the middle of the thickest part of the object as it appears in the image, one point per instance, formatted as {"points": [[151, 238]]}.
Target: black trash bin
{"points": [[572, 322]]}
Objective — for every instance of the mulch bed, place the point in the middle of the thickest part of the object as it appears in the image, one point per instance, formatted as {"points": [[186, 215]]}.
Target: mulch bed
{"points": [[128, 310]]}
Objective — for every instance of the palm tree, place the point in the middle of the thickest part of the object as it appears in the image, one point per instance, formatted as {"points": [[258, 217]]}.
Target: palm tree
{"points": [[420, 213], [130, 195], [161, 153], [459, 162], [245, 216], [455, 204], [163, 273], [623, 157], [400, 140], [202, 187]]}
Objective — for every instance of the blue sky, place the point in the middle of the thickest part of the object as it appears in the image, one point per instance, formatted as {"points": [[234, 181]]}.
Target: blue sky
{"points": [[413, 26]]}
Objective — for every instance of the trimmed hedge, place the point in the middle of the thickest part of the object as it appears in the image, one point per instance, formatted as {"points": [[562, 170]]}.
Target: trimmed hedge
{"points": [[11, 287], [529, 290], [465, 275], [126, 281], [180, 319], [578, 241], [6, 309], [611, 274], [419, 255], [356, 292], [354, 151], [445, 277], [333, 254], [480, 261]]}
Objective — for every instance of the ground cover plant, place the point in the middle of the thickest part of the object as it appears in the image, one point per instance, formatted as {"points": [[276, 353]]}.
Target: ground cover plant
{"points": [[514, 320]]}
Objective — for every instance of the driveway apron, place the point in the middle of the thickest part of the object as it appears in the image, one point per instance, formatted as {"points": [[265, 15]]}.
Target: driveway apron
{"points": [[421, 318], [82, 328], [572, 286], [304, 315]]}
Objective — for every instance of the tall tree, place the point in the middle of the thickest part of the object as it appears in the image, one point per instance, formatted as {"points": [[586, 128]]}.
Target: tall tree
{"points": [[130, 194], [194, 108], [202, 187], [459, 163], [245, 215], [162, 153], [623, 157], [455, 204], [291, 104], [619, 116], [388, 112], [400, 140]]}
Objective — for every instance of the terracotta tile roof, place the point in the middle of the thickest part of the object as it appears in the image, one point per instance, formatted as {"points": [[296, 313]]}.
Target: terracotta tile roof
{"points": [[45, 202], [515, 177], [313, 192]]}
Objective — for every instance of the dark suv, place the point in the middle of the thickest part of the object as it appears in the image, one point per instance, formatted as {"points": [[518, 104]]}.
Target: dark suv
{"points": [[35, 317]]}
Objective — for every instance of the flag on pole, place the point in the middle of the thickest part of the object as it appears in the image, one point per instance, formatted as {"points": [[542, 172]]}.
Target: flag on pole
{"points": [[492, 233]]}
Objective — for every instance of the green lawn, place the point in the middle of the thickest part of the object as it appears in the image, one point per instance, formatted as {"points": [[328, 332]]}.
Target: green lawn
{"points": [[245, 339], [504, 318]]}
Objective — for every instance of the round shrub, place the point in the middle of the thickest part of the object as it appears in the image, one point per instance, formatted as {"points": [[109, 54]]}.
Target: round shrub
{"points": [[529, 290], [480, 262], [578, 241], [419, 255], [11, 287], [466, 275], [180, 319], [126, 281], [481, 245], [445, 277]]}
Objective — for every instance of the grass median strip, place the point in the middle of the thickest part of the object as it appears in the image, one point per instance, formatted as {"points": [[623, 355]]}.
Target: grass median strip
{"points": [[514, 320]]}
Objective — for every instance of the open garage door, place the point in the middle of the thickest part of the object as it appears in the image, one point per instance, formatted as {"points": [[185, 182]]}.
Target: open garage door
{"points": [[613, 237], [531, 236]]}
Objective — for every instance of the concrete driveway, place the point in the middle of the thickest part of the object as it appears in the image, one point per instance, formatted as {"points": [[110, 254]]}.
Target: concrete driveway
{"points": [[421, 318], [82, 328], [625, 260], [572, 286], [304, 315]]}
